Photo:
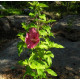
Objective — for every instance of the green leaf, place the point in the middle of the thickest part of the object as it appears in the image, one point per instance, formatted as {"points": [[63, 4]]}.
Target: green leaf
{"points": [[31, 14], [21, 36], [48, 57], [32, 25], [42, 5], [32, 3], [49, 60], [40, 71], [32, 56], [24, 26], [28, 71], [36, 19], [31, 7], [34, 74], [43, 46], [44, 75], [51, 34], [43, 17], [24, 63], [25, 75], [55, 45], [20, 47], [50, 54], [51, 72], [49, 21], [37, 64], [47, 28], [43, 32], [25, 45], [43, 21]]}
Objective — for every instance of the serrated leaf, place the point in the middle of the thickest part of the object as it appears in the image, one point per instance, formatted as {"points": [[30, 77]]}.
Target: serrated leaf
{"points": [[43, 32], [24, 63], [31, 14], [33, 3], [24, 26], [40, 71], [42, 20], [36, 64], [55, 45], [50, 54], [42, 5], [31, 7], [25, 46], [43, 17], [32, 25], [32, 56], [34, 74], [20, 47], [47, 28], [51, 72], [21, 36], [51, 34], [43, 46], [28, 71], [49, 60], [48, 57], [49, 21]]}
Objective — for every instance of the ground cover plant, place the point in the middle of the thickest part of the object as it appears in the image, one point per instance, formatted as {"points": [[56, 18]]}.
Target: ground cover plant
{"points": [[36, 41]]}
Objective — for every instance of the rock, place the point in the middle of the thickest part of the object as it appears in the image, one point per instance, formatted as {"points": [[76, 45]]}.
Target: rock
{"points": [[9, 22], [4, 24], [15, 21], [69, 26], [9, 59], [67, 59], [10, 26]]}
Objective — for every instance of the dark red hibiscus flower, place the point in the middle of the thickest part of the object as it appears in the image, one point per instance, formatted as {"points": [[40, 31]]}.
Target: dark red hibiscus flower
{"points": [[32, 38]]}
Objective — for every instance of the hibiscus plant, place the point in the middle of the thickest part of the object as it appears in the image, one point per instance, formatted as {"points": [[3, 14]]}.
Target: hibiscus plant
{"points": [[36, 41]]}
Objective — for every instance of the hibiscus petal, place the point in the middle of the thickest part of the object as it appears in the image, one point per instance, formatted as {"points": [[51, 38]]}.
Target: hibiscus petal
{"points": [[33, 30], [27, 35], [32, 38]]}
